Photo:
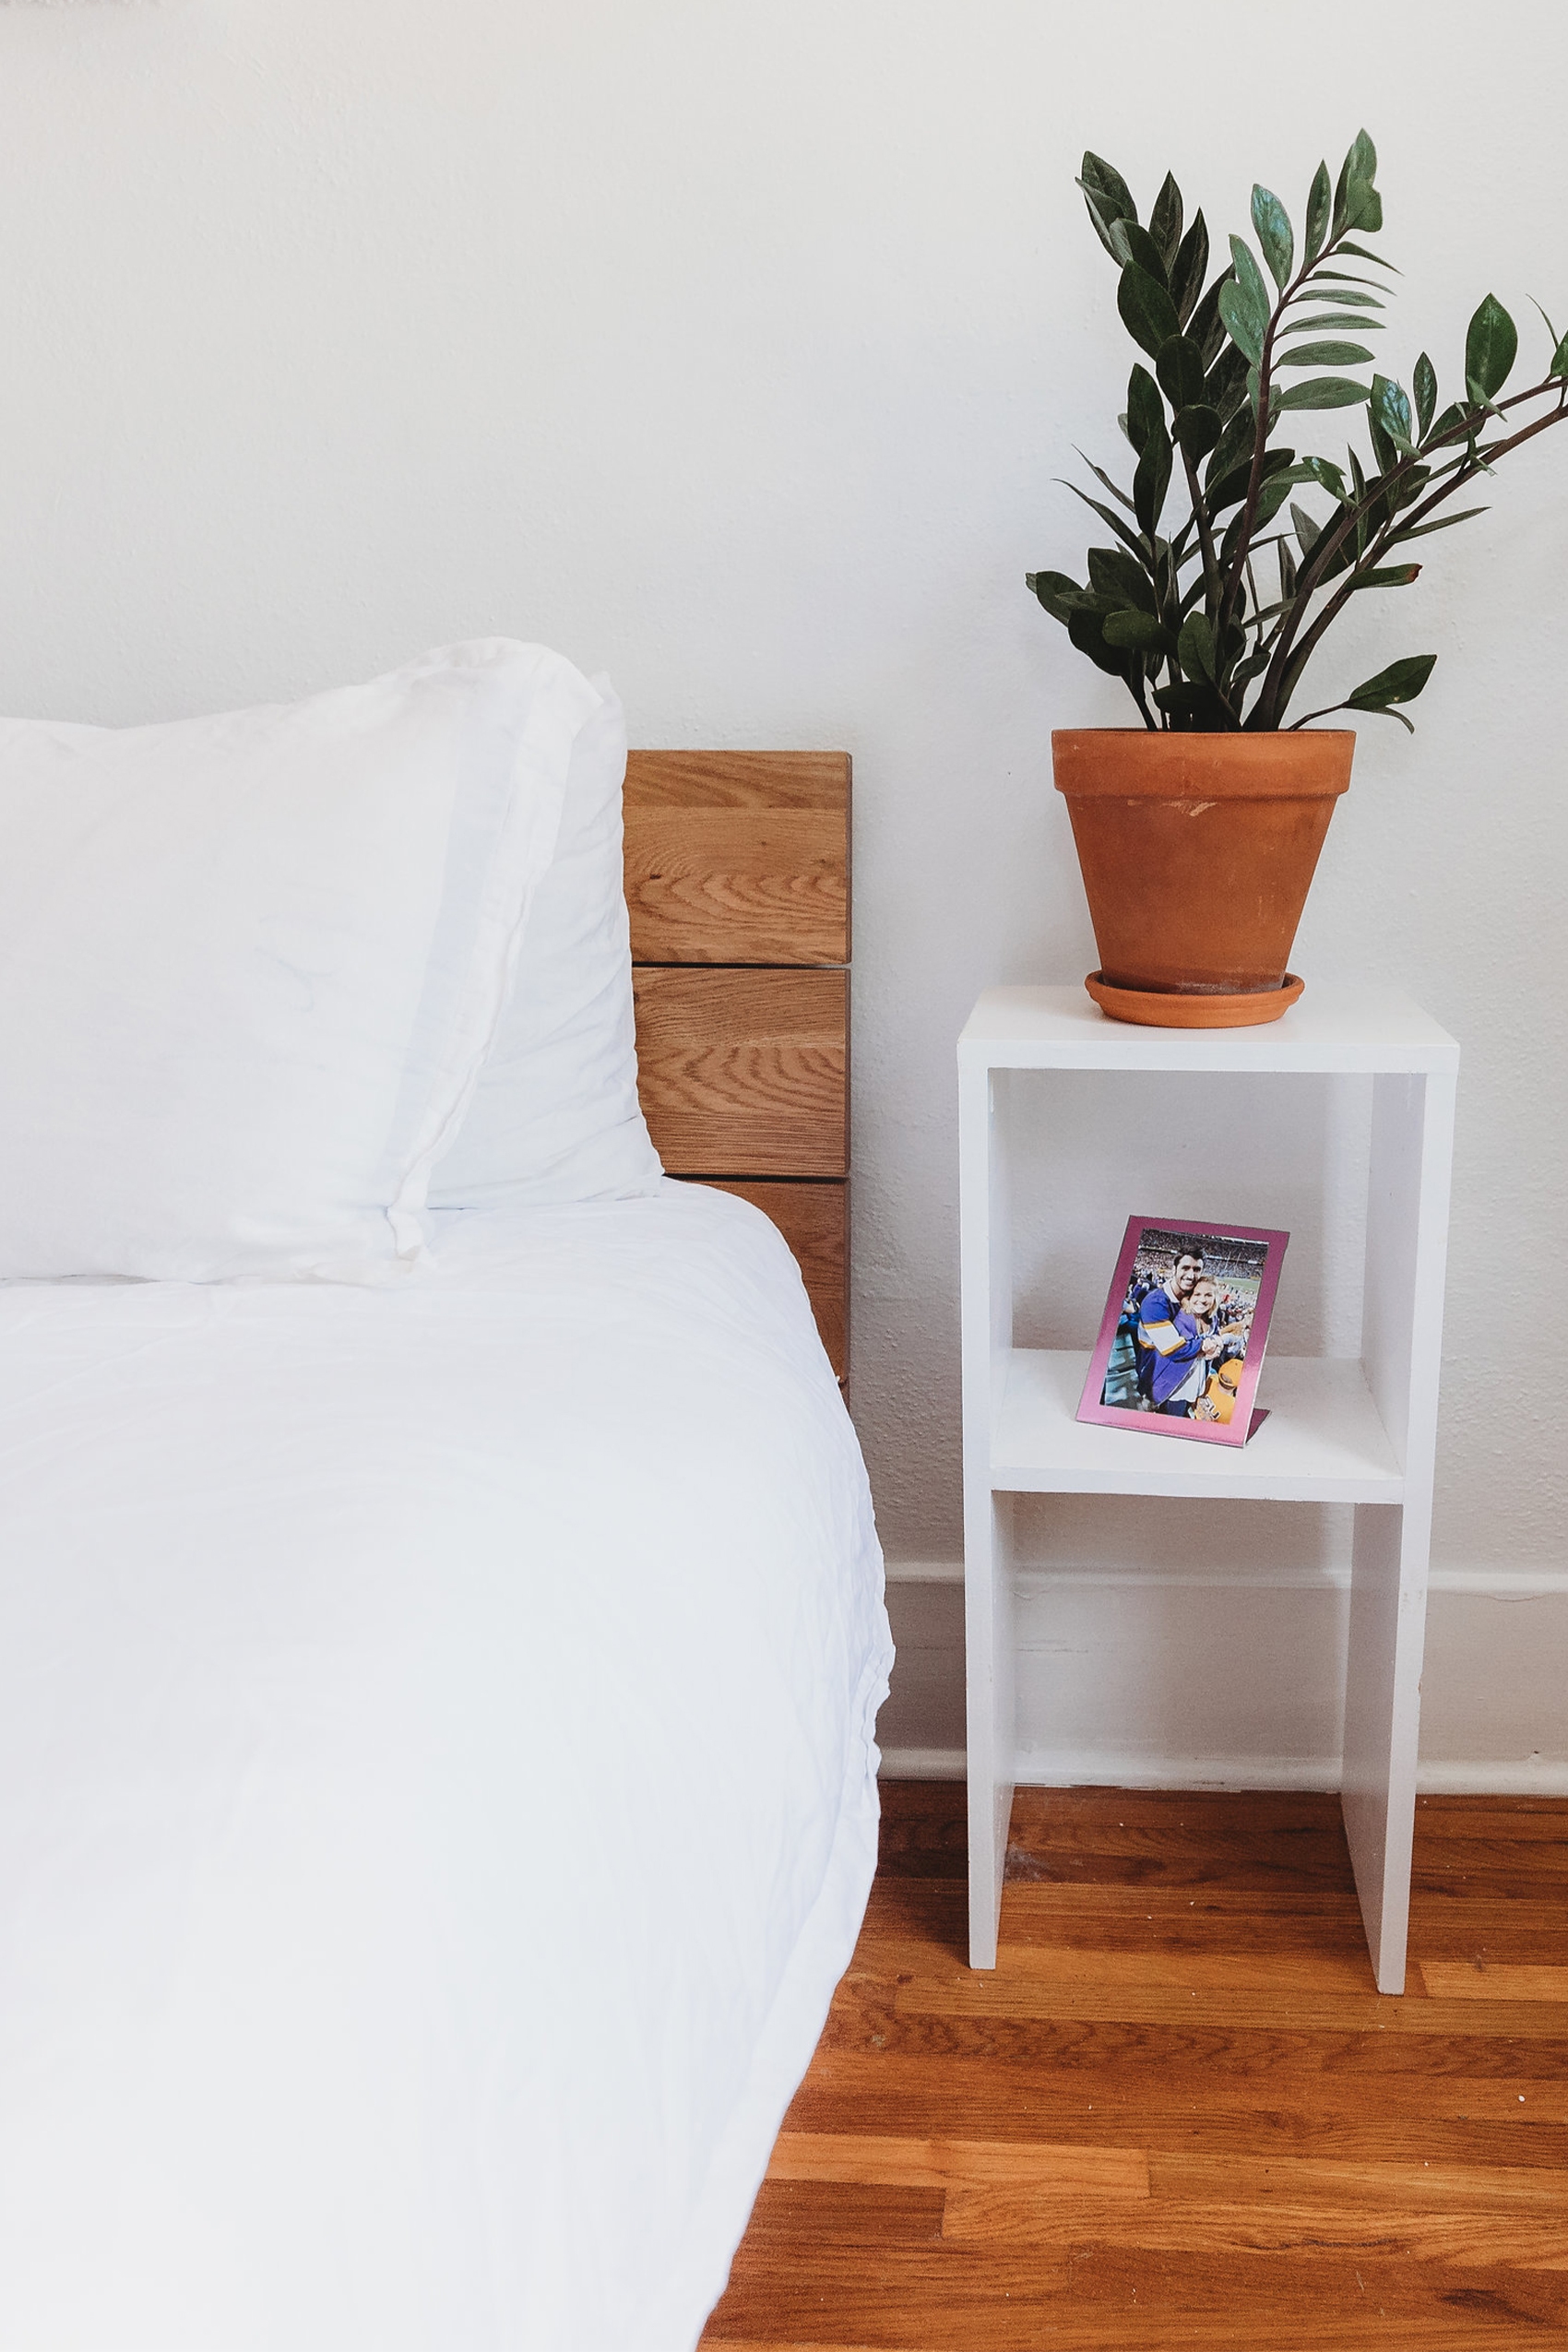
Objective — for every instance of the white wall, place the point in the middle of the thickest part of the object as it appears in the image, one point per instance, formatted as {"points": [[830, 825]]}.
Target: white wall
{"points": [[736, 346]]}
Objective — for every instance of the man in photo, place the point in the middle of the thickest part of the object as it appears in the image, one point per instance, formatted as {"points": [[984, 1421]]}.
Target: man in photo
{"points": [[1173, 1348]]}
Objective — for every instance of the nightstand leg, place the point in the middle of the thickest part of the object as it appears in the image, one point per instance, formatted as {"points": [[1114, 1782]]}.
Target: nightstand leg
{"points": [[1401, 1347], [988, 1642]]}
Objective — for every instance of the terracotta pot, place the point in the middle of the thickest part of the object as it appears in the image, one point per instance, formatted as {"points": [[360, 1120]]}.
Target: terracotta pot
{"points": [[1197, 853]]}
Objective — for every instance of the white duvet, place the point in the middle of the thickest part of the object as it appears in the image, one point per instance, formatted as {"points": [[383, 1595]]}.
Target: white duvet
{"points": [[436, 1787]]}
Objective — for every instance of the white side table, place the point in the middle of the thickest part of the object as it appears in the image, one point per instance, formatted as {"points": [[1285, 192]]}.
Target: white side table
{"points": [[1358, 1431]]}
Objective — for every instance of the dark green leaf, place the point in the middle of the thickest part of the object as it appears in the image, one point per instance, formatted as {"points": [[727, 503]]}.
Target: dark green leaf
{"points": [[1272, 224], [1272, 495], [1131, 243], [1145, 411], [1452, 415], [1225, 386], [1322, 355], [1109, 515], [1108, 197], [1324, 320], [1235, 448], [1181, 371], [1490, 347], [1197, 430], [1152, 481], [1246, 330], [1320, 197], [1206, 327], [1385, 451], [1249, 277], [1401, 682], [1446, 522], [1426, 392], [1307, 532], [1362, 255], [1324, 392], [1229, 487], [1085, 630], [1194, 647], [1115, 573], [1139, 632], [1346, 298], [1195, 709], [1349, 190], [1165, 221], [1287, 569], [1391, 407], [1056, 591], [1389, 576], [1189, 269], [1104, 479], [1147, 312], [1338, 277], [1559, 359], [1323, 470]]}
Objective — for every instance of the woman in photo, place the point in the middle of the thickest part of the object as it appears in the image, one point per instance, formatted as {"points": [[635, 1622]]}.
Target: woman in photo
{"points": [[1224, 1343]]}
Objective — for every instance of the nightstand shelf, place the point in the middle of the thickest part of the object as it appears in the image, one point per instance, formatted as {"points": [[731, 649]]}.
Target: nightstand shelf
{"points": [[1358, 1431], [1324, 1440]]}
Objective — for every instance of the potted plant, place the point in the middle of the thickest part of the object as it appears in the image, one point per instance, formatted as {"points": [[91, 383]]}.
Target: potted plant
{"points": [[1211, 621]]}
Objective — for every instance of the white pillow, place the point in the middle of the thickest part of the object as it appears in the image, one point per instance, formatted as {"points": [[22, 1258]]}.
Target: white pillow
{"points": [[250, 966], [555, 1115]]}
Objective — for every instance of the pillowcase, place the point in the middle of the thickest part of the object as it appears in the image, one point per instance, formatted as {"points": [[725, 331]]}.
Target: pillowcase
{"points": [[555, 1115], [250, 966]]}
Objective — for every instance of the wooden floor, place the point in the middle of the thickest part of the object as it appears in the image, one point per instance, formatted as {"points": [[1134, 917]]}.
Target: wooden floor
{"points": [[1179, 2115]]}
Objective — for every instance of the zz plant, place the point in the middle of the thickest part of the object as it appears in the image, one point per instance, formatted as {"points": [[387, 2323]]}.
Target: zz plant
{"points": [[1201, 632]]}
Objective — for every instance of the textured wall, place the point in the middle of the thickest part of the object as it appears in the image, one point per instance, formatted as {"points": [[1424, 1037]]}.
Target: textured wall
{"points": [[735, 348]]}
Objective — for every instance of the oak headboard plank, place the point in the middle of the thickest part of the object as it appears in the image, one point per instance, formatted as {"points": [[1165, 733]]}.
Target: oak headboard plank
{"points": [[738, 857], [743, 1073], [738, 888]]}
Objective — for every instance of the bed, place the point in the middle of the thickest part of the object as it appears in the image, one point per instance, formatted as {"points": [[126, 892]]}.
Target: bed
{"points": [[436, 1765]]}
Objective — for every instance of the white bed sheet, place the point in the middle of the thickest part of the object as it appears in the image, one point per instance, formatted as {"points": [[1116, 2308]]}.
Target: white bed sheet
{"points": [[437, 1786]]}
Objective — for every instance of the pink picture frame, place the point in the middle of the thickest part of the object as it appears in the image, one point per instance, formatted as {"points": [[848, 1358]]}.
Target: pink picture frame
{"points": [[1191, 1368]]}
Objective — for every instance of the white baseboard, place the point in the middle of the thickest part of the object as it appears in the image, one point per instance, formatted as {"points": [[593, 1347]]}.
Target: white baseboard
{"points": [[1483, 1583], [1103, 1652], [923, 1763], [1532, 1776]]}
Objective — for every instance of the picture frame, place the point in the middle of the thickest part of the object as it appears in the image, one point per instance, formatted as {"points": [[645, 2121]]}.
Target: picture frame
{"points": [[1191, 1368]]}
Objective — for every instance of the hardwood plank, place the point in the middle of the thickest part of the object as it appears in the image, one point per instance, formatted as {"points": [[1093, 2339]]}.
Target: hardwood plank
{"points": [[738, 886], [1014, 2216], [1172, 2109], [1387, 2188], [836, 2212], [815, 1220], [931, 2164], [744, 1072], [1093, 2296], [737, 779], [1015, 1996], [1489, 1980], [866, 2016]]}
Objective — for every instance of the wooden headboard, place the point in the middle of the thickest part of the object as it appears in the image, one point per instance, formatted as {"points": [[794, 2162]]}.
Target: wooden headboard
{"points": [[738, 883]]}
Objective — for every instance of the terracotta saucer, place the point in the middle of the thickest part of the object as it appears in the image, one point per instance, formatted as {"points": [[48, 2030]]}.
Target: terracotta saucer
{"points": [[1159, 1009]]}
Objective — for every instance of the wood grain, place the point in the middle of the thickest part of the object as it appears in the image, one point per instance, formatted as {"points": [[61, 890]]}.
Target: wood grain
{"points": [[815, 1220], [738, 857], [744, 1072], [1484, 1980], [929, 2164], [1326, 2170]]}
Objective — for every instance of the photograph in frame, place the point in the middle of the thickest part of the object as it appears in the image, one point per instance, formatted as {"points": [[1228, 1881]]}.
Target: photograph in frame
{"points": [[1182, 1341]]}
